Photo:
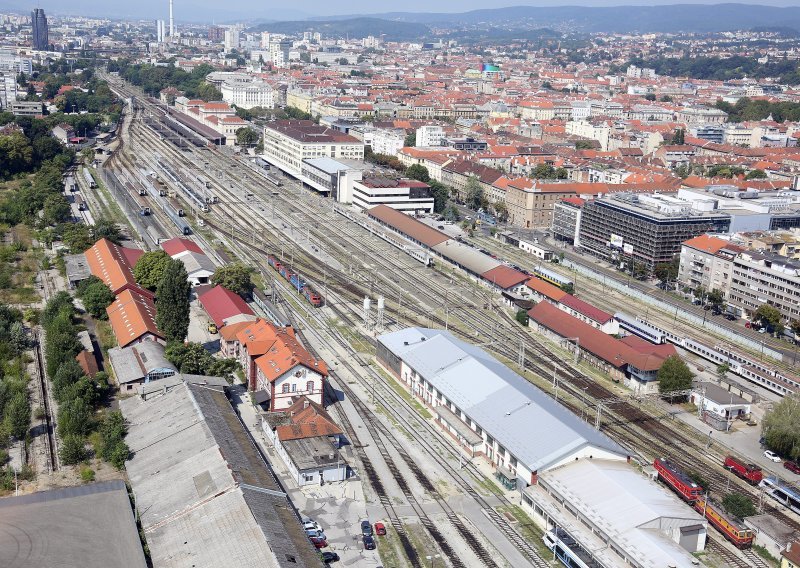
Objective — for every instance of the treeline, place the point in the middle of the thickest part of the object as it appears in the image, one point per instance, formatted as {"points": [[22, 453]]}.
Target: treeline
{"points": [[78, 396], [153, 79], [718, 69], [749, 109], [15, 409]]}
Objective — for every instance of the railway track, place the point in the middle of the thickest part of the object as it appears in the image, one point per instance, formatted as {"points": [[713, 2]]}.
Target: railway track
{"points": [[48, 420], [658, 437]]}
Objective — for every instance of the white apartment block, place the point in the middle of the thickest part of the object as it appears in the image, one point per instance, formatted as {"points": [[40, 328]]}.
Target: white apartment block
{"points": [[430, 135], [288, 142], [765, 278], [708, 262], [388, 141], [248, 94], [586, 129]]}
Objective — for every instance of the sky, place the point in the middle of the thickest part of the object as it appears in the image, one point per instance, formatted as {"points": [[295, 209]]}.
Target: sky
{"points": [[231, 10]]}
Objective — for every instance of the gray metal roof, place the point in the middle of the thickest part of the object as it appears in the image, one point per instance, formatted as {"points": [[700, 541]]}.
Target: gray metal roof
{"points": [[327, 165], [469, 258], [194, 262], [205, 495], [136, 361], [91, 526], [536, 429]]}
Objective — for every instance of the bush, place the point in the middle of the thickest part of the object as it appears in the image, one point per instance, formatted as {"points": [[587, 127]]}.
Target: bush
{"points": [[87, 474], [738, 505], [73, 449]]}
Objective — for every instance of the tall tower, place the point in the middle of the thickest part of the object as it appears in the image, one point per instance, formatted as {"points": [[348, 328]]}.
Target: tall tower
{"points": [[40, 36], [171, 21]]}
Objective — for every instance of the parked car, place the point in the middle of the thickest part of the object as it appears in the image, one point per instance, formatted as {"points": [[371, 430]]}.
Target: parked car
{"points": [[792, 466], [369, 542], [770, 455], [366, 528], [316, 533], [309, 524], [380, 529], [762, 330], [318, 542], [328, 557]]}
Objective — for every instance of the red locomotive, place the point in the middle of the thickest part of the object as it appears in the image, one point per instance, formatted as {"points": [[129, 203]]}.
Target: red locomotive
{"points": [[677, 480], [301, 286], [732, 529], [747, 471]]}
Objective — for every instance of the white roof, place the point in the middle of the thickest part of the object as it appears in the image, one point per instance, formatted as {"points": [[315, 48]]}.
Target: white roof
{"points": [[629, 508], [505, 405]]}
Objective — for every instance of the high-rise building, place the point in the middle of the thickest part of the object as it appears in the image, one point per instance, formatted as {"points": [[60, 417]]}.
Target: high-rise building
{"points": [[160, 29], [40, 37], [171, 21]]}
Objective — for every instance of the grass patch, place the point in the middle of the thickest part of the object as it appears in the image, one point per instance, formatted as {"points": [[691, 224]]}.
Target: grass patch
{"points": [[399, 389], [525, 526], [764, 553], [389, 548], [421, 541], [105, 336], [490, 486]]}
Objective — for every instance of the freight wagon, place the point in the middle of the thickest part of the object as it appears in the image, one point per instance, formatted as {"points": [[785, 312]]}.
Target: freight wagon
{"points": [[296, 280]]}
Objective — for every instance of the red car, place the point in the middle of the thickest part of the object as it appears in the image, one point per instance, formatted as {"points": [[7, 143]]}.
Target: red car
{"points": [[318, 542], [792, 466], [380, 530]]}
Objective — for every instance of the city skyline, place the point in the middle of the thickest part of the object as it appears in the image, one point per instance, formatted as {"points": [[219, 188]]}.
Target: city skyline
{"points": [[210, 11]]}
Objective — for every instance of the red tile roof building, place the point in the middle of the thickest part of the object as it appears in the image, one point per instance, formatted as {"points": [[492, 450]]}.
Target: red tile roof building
{"points": [[222, 306], [630, 361]]}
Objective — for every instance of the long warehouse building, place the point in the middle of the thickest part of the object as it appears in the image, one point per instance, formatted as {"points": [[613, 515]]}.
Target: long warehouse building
{"points": [[572, 478]]}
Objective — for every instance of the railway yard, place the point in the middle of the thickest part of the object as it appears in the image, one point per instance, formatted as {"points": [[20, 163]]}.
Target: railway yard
{"points": [[410, 470]]}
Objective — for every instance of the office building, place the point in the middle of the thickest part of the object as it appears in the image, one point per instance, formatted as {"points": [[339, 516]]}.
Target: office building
{"points": [[160, 31], [288, 142], [567, 220], [628, 228], [406, 195], [708, 262], [41, 41]]}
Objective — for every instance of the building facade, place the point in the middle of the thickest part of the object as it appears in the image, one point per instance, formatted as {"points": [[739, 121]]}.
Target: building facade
{"points": [[630, 228], [41, 37], [288, 142], [765, 279], [406, 195]]}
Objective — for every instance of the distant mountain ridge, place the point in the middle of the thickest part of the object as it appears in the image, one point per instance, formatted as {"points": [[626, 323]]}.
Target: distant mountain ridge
{"points": [[659, 18], [352, 27]]}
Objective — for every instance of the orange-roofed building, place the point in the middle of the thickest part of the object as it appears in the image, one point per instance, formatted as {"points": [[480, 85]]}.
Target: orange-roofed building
{"points": [[708, 262], [277, 366], [308, 441], [113, 265], [133, 318]]}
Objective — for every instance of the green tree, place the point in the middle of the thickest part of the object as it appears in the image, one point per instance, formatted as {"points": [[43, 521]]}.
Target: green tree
{"points": [[474, 193], [451, 213], [56, 210], [440, 195], [679, 137], [235, 277], [769, 316], [76, 236], [674, 375], [722, 370], [522, 317], [150, 267], [209, 92], [246, 137], [172, 302], [716, 298], [667, 271], [68, 373], [74, 417], [795, 327], [543, 171], [756, 174], [418, 172], [17, 415], [738, 505], [650, 97], [96, 298], [781, 427], [106, 229], [189, 358], [73, 449], [584, 145], [410, 140]]}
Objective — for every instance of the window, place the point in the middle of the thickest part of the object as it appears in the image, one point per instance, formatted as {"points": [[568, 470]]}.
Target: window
{"points": [[294, 387], [310, 386], [285, 387]]}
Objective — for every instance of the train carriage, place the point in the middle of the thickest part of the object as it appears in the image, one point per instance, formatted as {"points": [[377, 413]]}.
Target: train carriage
{"points": [[732, 529], [296, 280]]}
